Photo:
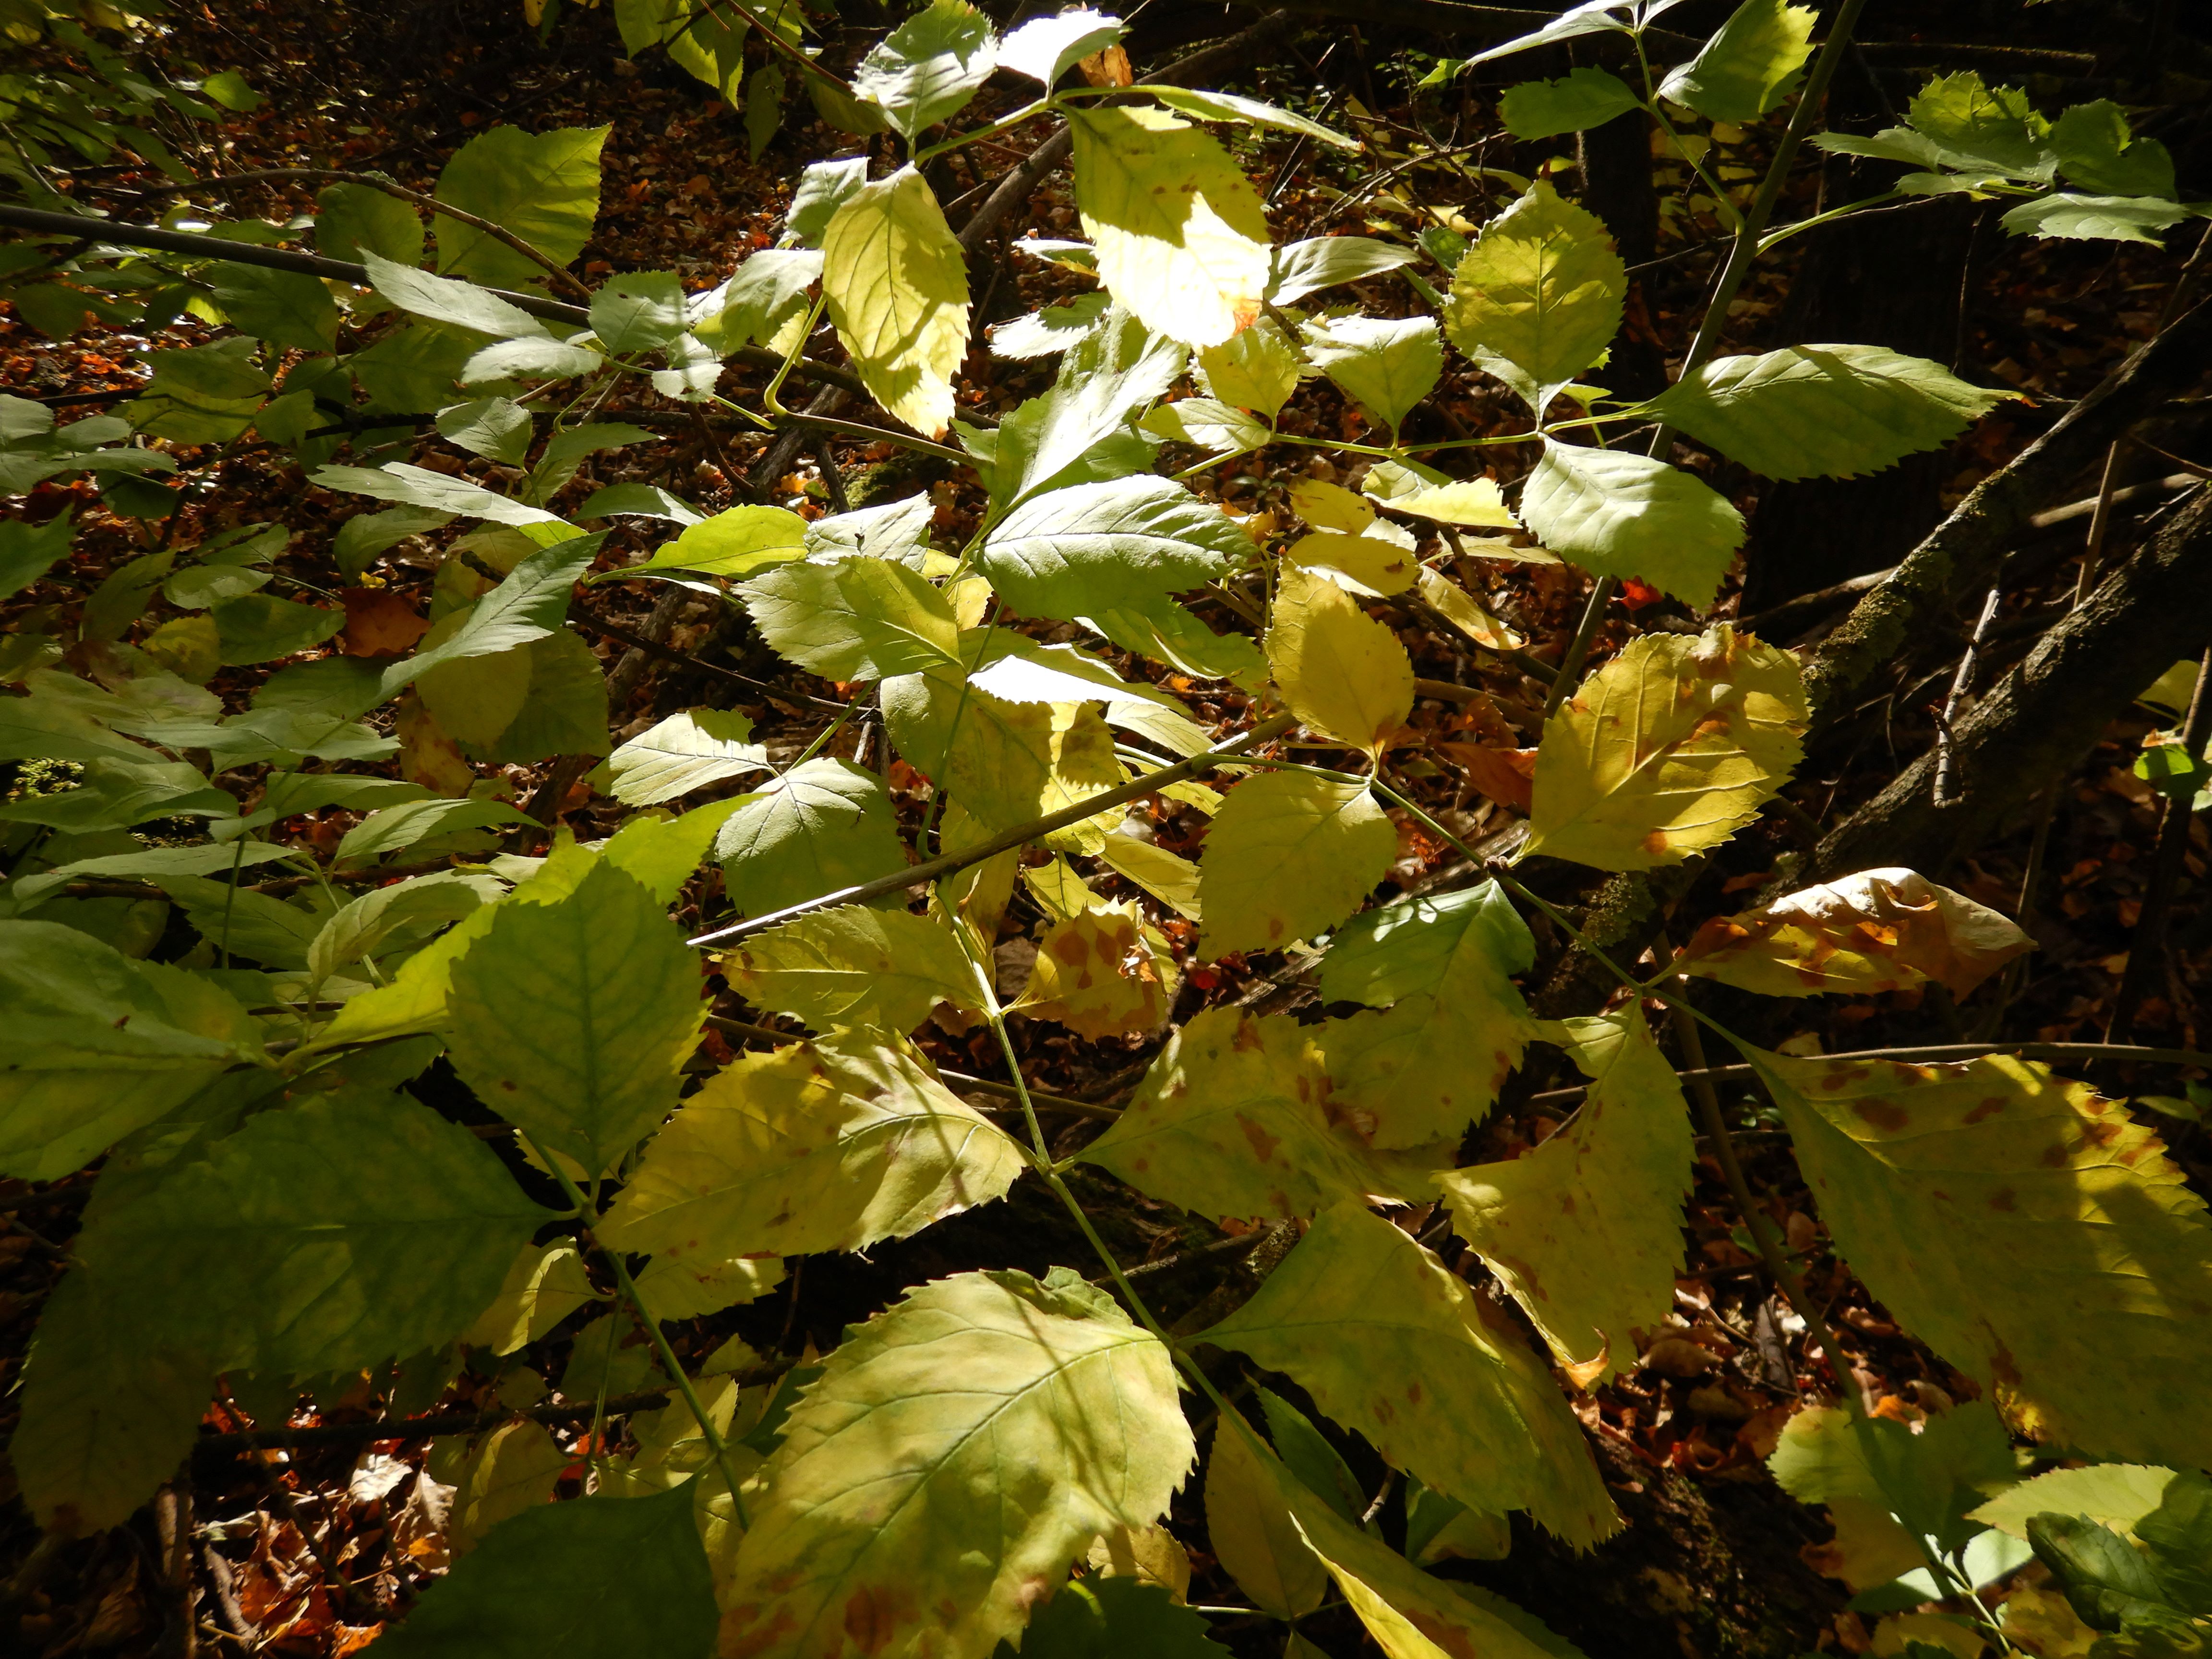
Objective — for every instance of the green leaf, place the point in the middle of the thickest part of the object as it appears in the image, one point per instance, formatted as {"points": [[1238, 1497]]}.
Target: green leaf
{"points": [[1538, 295], [243, 923], [1320, 262], [1043, 47], [1251, 1534], [2106, 1578], [816, 1146], [1409, 946], [573, 1020], [1342, 673], [2096, 218], [1619, 513], [396, 919], [1288, 855], [281, 306], [1043, 333], [1588, 17], [977, 1378], [337, 1233], [1667, 750], [2098, 152], [1208, 424], [1834, 411], [394, 828], [420, 487], [1307, 1453], [1007, 762], [529, 360], [897, 284], [1227, 1121], [1077, 432], [1257, 370], [1389, 1343], [1583, 99], [354, 220], [686, 751], [1385, 365], [1586, 1231], [2024, 1229], [854, 967], [258, 628], [823, 188], [116, 794], [543, 188], [1097, 546], [97, 1045], [1160, 629], [528, 604], [663, 851], [1248, 112], [823, 825], [1749, 66], [594, 1578], [1104, 1617], [497, 428], [764, 108], [640, 310], [925, 70], [29, 550], [1181, 236], [565, 712], [735, 541], [1970, 123], [897, 531], [201, 395], [443, 299], [853, 619]]}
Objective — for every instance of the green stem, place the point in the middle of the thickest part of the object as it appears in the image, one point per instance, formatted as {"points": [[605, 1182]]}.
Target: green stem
{"points": [[791, 360], [959, 140], [667, 1355]]}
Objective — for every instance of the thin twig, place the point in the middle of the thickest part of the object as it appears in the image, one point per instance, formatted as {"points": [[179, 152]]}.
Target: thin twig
{"points": [[1961, 683]]}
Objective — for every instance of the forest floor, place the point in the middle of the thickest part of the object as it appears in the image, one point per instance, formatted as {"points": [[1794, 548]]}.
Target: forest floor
{"points": [[309, 1548]]}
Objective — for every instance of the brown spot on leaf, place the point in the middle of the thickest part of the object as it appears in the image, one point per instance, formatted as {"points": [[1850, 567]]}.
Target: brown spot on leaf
{"points": [[1263, 1144], [1989, 1107], [1885, 1114], [2003, 1200]]}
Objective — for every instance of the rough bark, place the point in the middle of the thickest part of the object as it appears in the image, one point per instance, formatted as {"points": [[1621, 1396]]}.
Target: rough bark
{"points": [[2039, 720]]}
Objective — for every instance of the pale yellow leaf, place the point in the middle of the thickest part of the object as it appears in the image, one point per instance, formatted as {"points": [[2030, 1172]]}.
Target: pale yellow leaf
{"points": [[897, 284], [1362, 564], [1288, 856], [1341, 672]]}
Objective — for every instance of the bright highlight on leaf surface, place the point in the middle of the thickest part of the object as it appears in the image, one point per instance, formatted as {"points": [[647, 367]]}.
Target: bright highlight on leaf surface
{"points": [[1389, 1343], [1538, 296], [897, 284], [1586, 1231], [817, 1146], [1098, 973], [1621, 514], [1879, 930], [1289, 854], [1835, 411], [1231, 1121], [2026, 1230], [1667, 750], [851, 968], [959, 1453], [1180, 236]]}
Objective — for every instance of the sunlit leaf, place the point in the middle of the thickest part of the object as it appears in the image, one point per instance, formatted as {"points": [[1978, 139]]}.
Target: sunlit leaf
{"points": [[817, 1147], [1250, 1531], [686, 751], [1749, 66], [1096, 974], [2024, 1229], [1094, 546], [1879, 930], [821, 825], [1586, 1229], [1042, 1401], [896, 284], [1289, 856], [1619, 513], [855, 618], [1667, 750], [1538, 295], [543, 188], [1342, 673], [927, 68], [855, 967], [1385, 365]]}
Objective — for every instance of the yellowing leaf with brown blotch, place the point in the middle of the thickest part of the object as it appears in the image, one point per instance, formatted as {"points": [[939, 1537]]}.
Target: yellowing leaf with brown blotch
{"points": [[1667, 750], [1231, 1120], [1096, 974], [957, 1455], [1411, 1614], [1390, 1343], [897, 284], [1586, 1229], [1362, 564], [816, 1146], [1342, 673], [1879, 930], [2026, 1230]]}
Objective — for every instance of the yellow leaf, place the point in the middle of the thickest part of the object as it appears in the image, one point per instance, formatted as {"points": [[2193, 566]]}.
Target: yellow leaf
{"points": [[1096, 974], [1180, 233], [2028, 1231], [1453, 605], [1251, 1532], [1364, 564], [1466, 501], [1586, 1231], [1006, 763], [1390, 1343], [1667, 750], [1879, 930], [1148, 1554], [1331, 506], [1342, 673], [897, 284], [1230, 1121], [1288, 856]]}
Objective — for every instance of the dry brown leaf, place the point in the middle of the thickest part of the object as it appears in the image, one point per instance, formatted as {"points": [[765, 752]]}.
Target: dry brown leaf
{"points": [[380, 622], [1879, 930], [1506, 775]]}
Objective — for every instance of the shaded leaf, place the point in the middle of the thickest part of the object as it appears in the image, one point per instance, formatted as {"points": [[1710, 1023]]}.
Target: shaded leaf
{"points": [[855, 967], [822, 826]]}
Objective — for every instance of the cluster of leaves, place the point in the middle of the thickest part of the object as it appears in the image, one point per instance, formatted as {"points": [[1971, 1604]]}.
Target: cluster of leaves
{"points": [[274, 1210]]}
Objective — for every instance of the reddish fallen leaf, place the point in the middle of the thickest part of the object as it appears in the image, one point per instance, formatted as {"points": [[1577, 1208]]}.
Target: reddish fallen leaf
{"points": [[1506, 775], [380, 622]]}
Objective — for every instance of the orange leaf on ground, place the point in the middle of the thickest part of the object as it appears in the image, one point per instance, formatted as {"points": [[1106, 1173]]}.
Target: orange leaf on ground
{"points": [[380, 622]]}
